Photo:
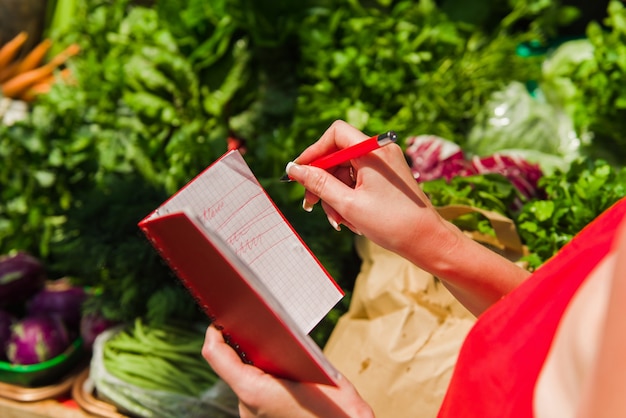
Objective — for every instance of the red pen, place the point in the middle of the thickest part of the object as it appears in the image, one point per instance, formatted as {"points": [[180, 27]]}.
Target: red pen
{"points": [[354, 151]]}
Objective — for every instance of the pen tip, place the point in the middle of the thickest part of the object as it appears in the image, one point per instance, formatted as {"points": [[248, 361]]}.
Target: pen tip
{"points": [[285, 178]]}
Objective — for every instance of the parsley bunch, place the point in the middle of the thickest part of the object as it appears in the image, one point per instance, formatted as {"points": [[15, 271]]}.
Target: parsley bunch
{"points": [[573, 199]]}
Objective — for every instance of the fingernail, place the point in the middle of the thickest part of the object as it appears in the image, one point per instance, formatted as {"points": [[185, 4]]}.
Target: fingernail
{"points": [[307, 206], [292, 168], [334, 223]]}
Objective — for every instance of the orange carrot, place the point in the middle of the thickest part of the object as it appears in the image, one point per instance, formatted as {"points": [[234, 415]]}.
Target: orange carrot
{"points": [[30, 62], [8, 71], [35, 90], [21, 82], [9, 50], [45, 85], [31, 94], [34, 57]]}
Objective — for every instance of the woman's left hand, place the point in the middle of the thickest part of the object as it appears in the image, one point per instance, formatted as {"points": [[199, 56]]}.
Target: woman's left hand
{"points": [[262, 395]]}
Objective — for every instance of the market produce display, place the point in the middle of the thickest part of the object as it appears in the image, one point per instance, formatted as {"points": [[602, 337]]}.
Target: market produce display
{"points": [[512, 106], [162, 90]]}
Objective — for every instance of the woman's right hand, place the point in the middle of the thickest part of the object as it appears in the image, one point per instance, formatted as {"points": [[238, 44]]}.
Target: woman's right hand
{"points": [[375, 195]]}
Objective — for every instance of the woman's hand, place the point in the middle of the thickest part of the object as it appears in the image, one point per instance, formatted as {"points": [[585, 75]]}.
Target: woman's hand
{"points": [[262, 395], [377, 196]]}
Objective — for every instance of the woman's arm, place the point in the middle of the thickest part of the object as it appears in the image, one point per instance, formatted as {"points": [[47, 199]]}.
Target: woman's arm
{"points": [[376, 195], [604, 393]]}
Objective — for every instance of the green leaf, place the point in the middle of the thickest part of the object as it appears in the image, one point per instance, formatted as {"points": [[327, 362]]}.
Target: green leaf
{"points": [[45, 178]]}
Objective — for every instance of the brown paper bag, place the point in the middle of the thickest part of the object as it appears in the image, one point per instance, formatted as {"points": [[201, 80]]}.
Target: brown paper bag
{"points": [[399, 340]]}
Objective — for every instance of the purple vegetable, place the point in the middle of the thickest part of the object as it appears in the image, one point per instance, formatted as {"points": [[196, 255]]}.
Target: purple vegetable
{"points": [[92, 325], [37, 339], [431, 158], [520, 172], [61, 299], [21, 276], [6, 322]]}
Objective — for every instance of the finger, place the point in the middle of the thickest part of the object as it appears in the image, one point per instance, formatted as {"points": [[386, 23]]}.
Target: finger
{"points": [[346, 174], [224, 360], [343, 173], [310, 200], [322, 185], [336, 220], [338, 136]]}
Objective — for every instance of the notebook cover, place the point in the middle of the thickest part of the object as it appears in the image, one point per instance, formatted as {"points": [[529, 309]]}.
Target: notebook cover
{"points": [[226, 290], [227, 198]]}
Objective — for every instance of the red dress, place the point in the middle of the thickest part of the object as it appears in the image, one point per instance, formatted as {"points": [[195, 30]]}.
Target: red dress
{"points": [[502, 356]]}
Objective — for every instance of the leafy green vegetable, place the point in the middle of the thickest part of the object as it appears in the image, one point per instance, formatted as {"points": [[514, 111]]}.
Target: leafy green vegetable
{"points": [[95, 157], [556, 83], [491, 192], [591, 85], [573, 199], [407, 66], [158, 91]]}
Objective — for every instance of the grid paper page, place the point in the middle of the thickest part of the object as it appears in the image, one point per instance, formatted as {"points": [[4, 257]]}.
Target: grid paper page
{"points": [[228, 199]]}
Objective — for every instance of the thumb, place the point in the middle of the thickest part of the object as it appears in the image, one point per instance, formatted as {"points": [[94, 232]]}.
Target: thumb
{"points": [[225, 361]]}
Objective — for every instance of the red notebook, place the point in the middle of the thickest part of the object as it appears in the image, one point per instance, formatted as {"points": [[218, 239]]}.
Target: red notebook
{"points": [[248, 269]]}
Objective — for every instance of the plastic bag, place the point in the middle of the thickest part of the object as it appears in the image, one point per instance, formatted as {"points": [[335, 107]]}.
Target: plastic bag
{"points": [[217, 402], [514, 122]]}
